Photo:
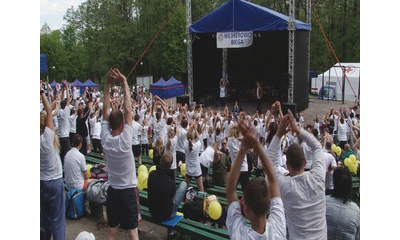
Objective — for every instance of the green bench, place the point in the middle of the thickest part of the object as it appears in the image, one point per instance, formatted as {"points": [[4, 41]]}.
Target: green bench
{"points": [[192, 228]]}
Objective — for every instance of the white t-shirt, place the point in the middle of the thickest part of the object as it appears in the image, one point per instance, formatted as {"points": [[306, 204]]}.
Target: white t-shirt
{"points": [[192, 159], [342, 136], [144, 139], [96, 130], [72, 123], [329, 161], [180, 146], [275, 228], [227, 127], [74, 166], [303, 195], [63, 122], [207, 157], [160, 129], [50, 161], [307, 154], [221, 92], [137, 128], [234, 147], [92, 122], [172, 150], [119, 155]]}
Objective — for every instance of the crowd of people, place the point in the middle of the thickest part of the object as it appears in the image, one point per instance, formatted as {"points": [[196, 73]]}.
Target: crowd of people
{"points": [[301, 189]]}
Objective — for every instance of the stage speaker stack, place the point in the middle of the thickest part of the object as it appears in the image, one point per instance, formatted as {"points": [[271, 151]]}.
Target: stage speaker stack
{"points": [[182, 100], [291, 106]]}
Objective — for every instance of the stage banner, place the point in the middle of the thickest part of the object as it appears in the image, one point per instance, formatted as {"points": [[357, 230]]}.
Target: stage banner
{"points": [[234, 39]]}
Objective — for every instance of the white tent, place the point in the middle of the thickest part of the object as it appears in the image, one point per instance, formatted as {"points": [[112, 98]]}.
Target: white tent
{"points": [[333, 78]]}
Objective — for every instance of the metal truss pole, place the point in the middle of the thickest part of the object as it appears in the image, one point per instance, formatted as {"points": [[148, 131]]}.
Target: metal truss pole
{"points": [[225, 63], [308, 21], [189, 50], [291, 27]]}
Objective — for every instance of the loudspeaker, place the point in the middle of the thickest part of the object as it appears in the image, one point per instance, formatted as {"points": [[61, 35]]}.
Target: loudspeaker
{"points": [[291, 106], [182, 100], [184, 77]]}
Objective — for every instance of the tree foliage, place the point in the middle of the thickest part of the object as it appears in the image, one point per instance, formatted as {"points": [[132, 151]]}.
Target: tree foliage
{"points": [[100, 34]]}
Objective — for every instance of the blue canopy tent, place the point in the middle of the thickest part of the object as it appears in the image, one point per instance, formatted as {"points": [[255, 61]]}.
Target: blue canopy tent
{"points": [[43, 63], [88, 83], [77, 83], [178, 88], [265, 60], [167, 89], [239, 15]]}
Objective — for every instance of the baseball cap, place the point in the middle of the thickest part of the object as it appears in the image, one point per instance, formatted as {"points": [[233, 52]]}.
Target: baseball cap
{"points": [[85, 236]]}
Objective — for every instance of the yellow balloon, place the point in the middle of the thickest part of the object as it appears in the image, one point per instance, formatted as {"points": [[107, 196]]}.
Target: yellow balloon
{"points": [[215, 210], [333, 146], [151, 153], [139, 186], [142, 179], [347, 162], [89, 166], [354, 168], [353, 158], [142, 168], [152, 168], [337, 150], [183, 169]]}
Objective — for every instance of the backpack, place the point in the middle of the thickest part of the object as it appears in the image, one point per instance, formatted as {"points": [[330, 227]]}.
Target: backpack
{"points": [[96, 191], [99, 171], [75, 204]]}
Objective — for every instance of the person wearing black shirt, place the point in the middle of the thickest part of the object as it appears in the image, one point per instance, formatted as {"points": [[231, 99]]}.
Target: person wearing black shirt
{"points": [[164, 195], [81, 127]]}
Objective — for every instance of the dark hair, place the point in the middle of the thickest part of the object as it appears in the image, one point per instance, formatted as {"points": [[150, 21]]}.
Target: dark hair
{"points": [[137, 117], [342, 184], [315, 132], [116, 119], [184, 123], [76, 140], [273, 128], [256, 196], [295, 156], [166, 160], [63, 103], [158, 115], [169, 121]]}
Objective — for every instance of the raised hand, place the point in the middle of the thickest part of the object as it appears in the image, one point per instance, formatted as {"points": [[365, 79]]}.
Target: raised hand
{"points": [[250, 135]]}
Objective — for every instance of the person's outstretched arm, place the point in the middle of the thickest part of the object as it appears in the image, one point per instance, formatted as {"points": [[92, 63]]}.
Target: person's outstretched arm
{"points": [[233, 176], [127, 96], [250, 137], [106, 97], [47, 108], [65, 83]]}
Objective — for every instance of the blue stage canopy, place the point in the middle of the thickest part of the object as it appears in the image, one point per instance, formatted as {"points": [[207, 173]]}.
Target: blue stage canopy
{"points": [[43, 63], [239, 15]]}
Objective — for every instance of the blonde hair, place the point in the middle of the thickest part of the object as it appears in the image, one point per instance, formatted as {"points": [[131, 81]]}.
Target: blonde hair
{"points": [[158, 148], [190, 138], [56, 142], [234, 131], [171, 134]]}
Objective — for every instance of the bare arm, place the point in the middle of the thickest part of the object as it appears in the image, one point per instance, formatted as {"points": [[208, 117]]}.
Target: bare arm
{"points": [[106, 101], [47, 108], [233, 177], [65, 83]]}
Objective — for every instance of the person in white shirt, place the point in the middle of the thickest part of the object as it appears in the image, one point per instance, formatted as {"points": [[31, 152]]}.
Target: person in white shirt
{"points": [[63, 121], [137, 128], [222, 92], [258, 196], [342, 130], [303, 192], [159, 122], [144, 139], [234, 142], [192, 148], [330, 161], [116, 138], [96, 139], [52, 199], [72, 124], [170, 147], [75, 169]]}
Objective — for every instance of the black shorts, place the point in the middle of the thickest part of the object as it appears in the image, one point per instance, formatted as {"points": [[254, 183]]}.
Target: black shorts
{"points": [[204, 170], [180, 156], [123, 207], [136, 150], [195, 177]]}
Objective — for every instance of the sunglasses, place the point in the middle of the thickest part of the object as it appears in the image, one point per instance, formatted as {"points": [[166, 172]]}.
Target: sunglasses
{"points": [[223, 143]]}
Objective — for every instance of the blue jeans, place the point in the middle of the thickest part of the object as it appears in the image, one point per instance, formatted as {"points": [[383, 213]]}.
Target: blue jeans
{"points": [[179, 194], [52, 208]]}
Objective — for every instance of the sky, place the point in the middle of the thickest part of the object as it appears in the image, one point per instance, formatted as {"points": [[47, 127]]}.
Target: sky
{"points": [[52, 12]]}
